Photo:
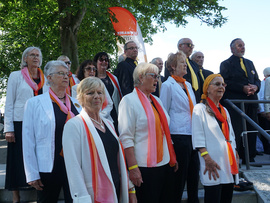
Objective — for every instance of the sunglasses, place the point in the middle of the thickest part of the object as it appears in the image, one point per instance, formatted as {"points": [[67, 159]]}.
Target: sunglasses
{"points": [[68, 62], [90, 69], [103, 59], [189, 45], [153, 75], [132, 48]]}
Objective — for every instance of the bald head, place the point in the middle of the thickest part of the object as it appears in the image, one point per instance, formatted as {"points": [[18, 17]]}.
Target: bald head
{"points": [[186, 45]]}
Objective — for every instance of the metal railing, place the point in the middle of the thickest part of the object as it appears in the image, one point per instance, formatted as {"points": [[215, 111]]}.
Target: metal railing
{"points": [[254, 124]]}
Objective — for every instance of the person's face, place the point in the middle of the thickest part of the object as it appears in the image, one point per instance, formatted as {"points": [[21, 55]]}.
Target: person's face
{"points": [[187, 47], [159, 64], [102, 64], [33, 59], [239, 48], [181, 68], [67, 62], [199, 59], [59, 78], [90, 70], [131, 51], [216, 89], [149, 82], [94, 99]]}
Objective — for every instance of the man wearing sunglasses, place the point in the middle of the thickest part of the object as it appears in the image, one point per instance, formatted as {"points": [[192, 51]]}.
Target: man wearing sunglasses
{"points": [[125, 69], [186, 45], [242, 83]]}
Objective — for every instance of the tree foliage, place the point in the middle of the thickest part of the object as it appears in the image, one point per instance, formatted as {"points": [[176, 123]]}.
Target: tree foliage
{"points": [[81, 28]]}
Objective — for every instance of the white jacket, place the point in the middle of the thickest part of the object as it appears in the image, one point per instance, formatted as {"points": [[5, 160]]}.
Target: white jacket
{"points": [[176, 102], [38, 135], [78, 161], [133, 128], [18, 92], [207, 133]]}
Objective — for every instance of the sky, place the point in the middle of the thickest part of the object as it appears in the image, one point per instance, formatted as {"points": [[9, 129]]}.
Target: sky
{"points": [[247, 19]]}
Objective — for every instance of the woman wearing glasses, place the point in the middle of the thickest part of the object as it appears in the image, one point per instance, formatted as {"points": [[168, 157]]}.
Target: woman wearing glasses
{"points": [[213, 137], [43, 123], [110, 81], [22, 85], [88, 68], [145, 135], [72, 80], [178, 99]]}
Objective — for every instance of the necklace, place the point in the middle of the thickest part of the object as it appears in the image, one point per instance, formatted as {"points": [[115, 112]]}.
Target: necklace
{"points": [[99, 123], [62, 97]]}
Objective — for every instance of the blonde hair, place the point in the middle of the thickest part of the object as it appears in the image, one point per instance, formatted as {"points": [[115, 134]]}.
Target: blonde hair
{"points": [[142, 69]]}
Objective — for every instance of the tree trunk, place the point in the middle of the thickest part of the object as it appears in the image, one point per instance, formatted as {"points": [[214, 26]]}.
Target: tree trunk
{"points": [[69, 26]]}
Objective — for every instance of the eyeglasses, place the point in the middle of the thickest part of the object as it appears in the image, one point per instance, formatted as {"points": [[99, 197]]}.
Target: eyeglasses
{"points": [[132, 48], [153, 75], [103, 59], [218, 84], [90, 69], [34, 55], [68, 62], [189, 45], [63, 74]]}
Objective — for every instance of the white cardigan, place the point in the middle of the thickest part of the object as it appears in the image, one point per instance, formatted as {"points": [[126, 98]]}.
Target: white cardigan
{"points": [[18, 92], [207, 133], [38, 135], [78, 162], [106, 112], [176, 102], [133, 128]]}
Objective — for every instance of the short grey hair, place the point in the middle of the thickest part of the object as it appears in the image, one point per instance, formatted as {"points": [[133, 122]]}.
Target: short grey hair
{"points": [[194, 55], [52, 66], [266, 72], [181, 41], [232, 45], [25, 54], [154, 60], [142, 69], [125, 46], [88, 84]]}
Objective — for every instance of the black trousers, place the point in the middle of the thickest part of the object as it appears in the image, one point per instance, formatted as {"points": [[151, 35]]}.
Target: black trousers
{"points": [[188, 171], [53, 183], [251, 111], [156, 186], [218, 193]]}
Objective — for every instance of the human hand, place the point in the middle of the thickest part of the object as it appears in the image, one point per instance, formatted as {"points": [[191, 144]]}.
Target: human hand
{"points": [[132, 198], [253, 88], [37, 184], [211, 166], [176, 167], [10, 137], [136, 177]]}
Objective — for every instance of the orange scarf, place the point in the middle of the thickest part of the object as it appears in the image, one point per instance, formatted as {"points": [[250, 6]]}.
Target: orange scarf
{"points": [[222, 117], [153, 145], [103, 190], [182, 80], [71, 83], [29, 80], [115, 83]]}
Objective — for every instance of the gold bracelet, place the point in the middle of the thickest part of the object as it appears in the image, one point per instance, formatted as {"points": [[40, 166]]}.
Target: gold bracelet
{"points": [[132, 167], [204, 153], [132, 192]]}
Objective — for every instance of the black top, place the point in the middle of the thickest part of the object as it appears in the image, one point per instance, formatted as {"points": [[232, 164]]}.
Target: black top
{"points": [[60, 120], [109, 86], [111, 149], [40, 90], [124, 74]]}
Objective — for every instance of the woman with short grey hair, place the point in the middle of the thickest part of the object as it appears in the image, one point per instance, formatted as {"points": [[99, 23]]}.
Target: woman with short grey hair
{"points": [[43, 123], [22, 85]]}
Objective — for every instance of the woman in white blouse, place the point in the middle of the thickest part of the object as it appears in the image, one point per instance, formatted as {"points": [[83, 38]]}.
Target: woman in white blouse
{"points": [[213, 137], [178, 99]]}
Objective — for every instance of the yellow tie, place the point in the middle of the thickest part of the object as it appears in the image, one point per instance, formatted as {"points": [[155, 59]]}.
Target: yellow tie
{"points": [[243, 66], [201, 74], [193, 76], [136, 63]]}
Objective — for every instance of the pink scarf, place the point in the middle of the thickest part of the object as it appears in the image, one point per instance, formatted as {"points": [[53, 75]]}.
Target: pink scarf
{"points": [[65, 108], [152, 142], [31, 82]]}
